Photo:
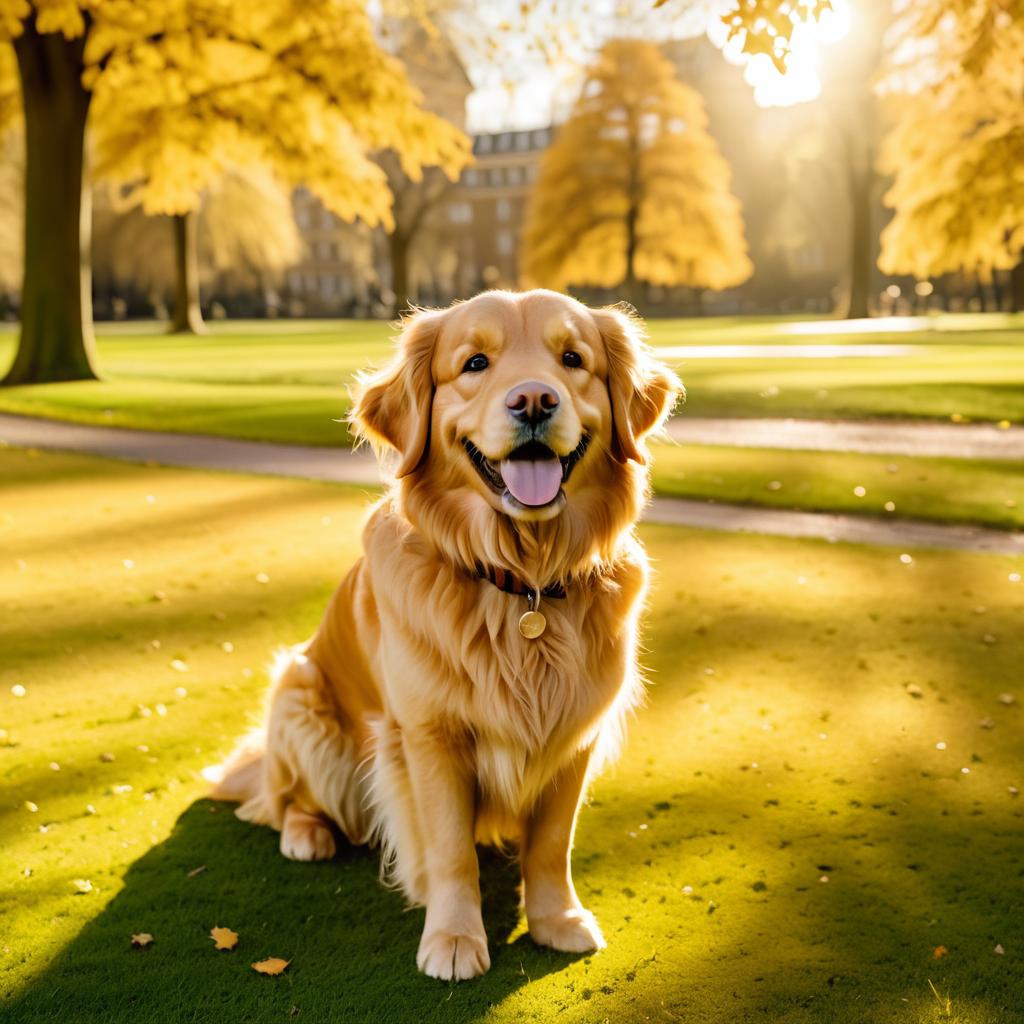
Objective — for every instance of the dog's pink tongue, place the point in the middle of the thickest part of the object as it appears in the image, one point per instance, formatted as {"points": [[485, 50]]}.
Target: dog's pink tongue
{"points": [[532, 481]]}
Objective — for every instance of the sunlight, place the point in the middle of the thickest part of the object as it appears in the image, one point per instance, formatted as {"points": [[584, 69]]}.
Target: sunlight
{"points": [[802, 81]]}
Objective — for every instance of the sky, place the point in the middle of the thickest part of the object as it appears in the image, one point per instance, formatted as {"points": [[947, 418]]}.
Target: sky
{"points": [[530, 88]]}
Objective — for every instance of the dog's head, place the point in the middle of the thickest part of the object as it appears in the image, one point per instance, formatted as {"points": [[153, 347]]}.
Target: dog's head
{"points": [[527, 401]]}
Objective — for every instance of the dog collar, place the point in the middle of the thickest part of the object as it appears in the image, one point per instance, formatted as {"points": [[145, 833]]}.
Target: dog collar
{"points": [[531, 623]]}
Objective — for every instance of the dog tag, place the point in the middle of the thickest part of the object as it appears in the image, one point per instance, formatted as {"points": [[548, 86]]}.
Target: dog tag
{"points": [[532, 624]]}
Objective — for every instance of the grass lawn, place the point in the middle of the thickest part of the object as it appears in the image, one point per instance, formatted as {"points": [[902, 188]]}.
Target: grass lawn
{"points": [[286, 380], [791, 836], [939, 490]]}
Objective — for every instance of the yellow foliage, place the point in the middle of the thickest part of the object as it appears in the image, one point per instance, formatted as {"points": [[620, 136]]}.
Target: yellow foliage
{"points": [[765, 26], [634, 170], [956, 146], [184, 89], [12, 192], [10, 90], [246, 229]]}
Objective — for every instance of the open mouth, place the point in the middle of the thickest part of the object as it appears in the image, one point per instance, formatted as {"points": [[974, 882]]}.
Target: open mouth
{"points": [[531, 474]]}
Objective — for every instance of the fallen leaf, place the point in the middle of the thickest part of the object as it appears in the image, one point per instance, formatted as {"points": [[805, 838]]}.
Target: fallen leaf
{"points": [[82, 886], [31, 807], [272, 965], [939, 952], [914, 690], [178, 665], [224, 938], [142, 939], [1007, 699], [196, 871], [999, 950]]}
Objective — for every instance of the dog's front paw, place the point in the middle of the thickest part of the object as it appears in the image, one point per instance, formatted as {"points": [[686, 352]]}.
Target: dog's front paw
{"points": [[449, 956], [571, 931]]}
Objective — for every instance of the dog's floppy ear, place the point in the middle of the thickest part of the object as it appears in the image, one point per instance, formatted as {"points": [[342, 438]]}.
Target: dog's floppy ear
{"points": [[393, 405], [643, 391]]}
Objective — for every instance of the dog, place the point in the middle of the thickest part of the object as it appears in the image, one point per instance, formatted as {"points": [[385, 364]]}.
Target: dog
{"points": [[474, 668]]}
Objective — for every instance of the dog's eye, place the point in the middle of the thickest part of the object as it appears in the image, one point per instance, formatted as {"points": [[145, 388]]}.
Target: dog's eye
{"points": [[474, 364], [572, 359]]}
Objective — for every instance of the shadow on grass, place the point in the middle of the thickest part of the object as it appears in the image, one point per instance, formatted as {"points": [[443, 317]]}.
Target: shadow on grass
{"points": [[351, 943]]}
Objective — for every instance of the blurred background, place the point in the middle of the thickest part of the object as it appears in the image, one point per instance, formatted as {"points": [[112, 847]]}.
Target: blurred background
{"points": [[856, 158]]}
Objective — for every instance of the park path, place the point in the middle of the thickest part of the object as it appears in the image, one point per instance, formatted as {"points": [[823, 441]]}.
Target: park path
{"points": [[340, 465], [898, 437]]}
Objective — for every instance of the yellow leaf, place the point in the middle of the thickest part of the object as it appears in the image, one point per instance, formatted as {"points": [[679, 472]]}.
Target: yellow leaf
{"points": [[939, 952], [141, 939], [224, 938], [272, 965]]}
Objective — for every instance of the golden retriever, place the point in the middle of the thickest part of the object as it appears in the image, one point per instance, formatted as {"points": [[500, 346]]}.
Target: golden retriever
{"points": [[474, 667]]}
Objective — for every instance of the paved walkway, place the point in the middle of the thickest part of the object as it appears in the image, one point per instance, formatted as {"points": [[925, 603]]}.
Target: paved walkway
{"points": [[344, 466], [960, 441]]}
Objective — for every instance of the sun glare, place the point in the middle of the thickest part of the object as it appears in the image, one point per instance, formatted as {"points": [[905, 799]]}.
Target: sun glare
{"points": [[802, 80]]}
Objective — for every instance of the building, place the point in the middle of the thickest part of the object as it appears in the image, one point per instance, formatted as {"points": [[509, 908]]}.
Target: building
{"points": [[486, 211]]}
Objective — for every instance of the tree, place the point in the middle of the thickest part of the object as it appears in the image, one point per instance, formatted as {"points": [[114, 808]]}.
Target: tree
{"points": [[184, 88], [957, 140], [434, 67], [634, 188], [246, 236], [851, 127]]}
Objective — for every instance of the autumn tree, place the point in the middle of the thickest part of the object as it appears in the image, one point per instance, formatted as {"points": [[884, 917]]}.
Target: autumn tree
{"points": [[634, 188], [434, 67], [186, 88], [956, 145], [246, 236]]}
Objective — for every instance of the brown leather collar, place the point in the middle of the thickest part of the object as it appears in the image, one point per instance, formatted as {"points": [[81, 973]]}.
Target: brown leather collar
{"points": [[505, 579]]}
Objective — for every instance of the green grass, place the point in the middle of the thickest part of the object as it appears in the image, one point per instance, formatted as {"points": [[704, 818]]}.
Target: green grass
{"points": [[779, 747], [975, 491], [286, 381]]}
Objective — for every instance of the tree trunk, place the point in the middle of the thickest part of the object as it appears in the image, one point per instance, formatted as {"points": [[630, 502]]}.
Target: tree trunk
{"points": [[1017, 288], [188, 315], [56, 342], [861, 194], [632, 284], [398, 250]]}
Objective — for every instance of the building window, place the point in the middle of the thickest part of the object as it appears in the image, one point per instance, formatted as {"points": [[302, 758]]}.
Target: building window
{"points": [[515, 175], [302, 217], [483, 144], [523, 140], [504, 141], [328, 284], [540, 138], [460, 213], [470, 177], [504, 209], [496, 175], [506, 243]]}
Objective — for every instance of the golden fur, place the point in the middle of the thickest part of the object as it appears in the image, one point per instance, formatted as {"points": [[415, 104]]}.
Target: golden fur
{"points": [[418, 717]]}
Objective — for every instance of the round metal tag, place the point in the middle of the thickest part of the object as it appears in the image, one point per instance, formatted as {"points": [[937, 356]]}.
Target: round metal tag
{"points": [[532, 624]]}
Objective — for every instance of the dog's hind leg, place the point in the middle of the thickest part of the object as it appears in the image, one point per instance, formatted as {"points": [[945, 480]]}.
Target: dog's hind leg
{"points": [[309, 772], [306, 836]]}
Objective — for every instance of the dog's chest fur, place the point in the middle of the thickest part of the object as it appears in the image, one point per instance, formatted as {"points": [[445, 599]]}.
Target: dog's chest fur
{"points": [[519, 708]]}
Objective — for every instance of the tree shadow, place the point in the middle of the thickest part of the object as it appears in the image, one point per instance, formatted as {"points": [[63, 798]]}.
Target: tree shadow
{"points": [[350, 942]]}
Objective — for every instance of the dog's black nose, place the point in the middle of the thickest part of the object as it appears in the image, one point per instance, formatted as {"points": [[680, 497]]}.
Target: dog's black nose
{"points": [[531, 402]]}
